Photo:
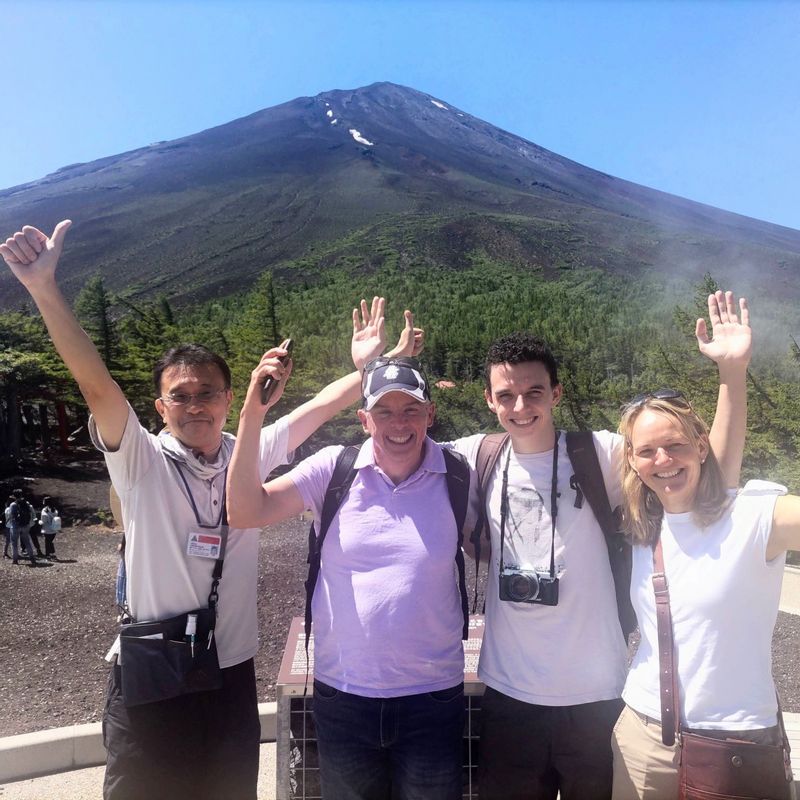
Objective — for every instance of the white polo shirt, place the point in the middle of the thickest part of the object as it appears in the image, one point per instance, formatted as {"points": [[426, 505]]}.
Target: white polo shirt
{"points": [[162, 580]]}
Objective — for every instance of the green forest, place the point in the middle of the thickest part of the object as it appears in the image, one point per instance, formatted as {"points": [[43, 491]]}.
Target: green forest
{"points": [[614, 337]]}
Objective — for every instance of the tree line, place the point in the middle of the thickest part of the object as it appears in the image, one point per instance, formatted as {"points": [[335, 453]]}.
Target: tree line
{"points": [[614, 337]]}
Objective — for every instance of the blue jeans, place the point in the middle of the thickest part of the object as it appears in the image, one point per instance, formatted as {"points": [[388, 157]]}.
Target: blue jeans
{"points": [[26, 541], [393, 748]]}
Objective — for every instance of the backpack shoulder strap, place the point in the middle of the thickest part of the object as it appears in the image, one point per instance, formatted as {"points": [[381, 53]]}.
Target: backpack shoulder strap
{"points": [[589, 476], [488, 452], [458, 492], [457, 486], [583, 457], [338, 486]]}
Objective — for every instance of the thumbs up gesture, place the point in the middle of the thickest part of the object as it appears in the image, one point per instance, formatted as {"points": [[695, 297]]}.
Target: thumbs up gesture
{"points": [[32, 256]]}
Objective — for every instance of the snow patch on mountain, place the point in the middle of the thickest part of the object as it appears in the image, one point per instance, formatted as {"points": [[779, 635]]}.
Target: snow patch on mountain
{"points": [[359, 138], [440, 105]]}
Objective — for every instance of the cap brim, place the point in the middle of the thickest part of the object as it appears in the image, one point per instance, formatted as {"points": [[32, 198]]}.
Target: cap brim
{"points": [[417, 394]]}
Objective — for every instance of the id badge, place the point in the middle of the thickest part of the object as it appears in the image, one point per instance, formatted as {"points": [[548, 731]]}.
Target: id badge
{"points": [[204, 545]]}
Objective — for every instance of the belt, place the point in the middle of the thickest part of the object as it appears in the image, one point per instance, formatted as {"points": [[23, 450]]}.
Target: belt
{"points": [[645, 719], [770, 735]]}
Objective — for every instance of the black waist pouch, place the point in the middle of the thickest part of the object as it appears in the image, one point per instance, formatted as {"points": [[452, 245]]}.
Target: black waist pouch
{"points": [[157, 663]]}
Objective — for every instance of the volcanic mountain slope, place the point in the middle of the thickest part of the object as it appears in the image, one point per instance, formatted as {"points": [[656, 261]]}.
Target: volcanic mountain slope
{"points": [[204, 215]]}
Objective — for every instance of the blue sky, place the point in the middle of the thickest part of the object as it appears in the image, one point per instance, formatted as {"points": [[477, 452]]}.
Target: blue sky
{"points": [[701, 99]]}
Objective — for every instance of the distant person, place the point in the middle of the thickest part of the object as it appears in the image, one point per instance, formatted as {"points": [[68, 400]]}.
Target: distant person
{"points": [[7, 528], [50, 522], [34, 532], [22, 515], [203, 746]]}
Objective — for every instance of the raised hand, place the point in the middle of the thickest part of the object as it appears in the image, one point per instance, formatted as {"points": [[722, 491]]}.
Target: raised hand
{"points": [[411, 341], [369, 336], [270, 366], [32, 256], [731, 341]]}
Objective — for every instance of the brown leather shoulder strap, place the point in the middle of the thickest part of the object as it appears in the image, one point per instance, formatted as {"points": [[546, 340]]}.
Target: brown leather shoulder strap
{"points": [[668, 676]]}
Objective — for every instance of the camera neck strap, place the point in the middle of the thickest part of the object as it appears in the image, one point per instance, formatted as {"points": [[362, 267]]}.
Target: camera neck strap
{"points": [[553, 506]]}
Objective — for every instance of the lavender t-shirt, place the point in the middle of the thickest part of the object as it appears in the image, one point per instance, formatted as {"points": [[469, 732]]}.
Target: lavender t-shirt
{"points": [[387, 611]]}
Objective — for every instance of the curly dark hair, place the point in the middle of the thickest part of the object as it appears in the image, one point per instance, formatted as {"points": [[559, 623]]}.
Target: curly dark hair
{"points": [[190, 355], [519, 348]]}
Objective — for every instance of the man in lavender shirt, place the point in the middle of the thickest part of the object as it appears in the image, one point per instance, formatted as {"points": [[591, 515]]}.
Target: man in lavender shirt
{"points": [[388, 658]]}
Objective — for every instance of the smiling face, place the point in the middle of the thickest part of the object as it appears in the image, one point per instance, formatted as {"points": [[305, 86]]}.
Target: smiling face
{"points": [[667, 459], [398, 425], [196, 425], [523, 398]]}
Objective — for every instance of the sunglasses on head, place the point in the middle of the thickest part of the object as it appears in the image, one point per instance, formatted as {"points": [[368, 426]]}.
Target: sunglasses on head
{"points": [[659, 394]]}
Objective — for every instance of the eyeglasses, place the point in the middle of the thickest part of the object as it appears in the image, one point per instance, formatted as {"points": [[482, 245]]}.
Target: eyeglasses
{"points": [[659, 394], [184, 399], [384, 361]]}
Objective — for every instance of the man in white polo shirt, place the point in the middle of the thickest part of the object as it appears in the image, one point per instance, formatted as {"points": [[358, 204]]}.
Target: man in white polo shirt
{"points": [[388, 657], [172, 491]]}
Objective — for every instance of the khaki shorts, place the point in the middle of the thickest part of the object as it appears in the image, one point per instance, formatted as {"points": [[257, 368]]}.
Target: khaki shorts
{"points": [[645, 768]]}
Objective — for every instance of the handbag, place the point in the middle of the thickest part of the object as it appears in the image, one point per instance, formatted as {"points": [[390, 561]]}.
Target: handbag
{"points": [[709, 768], [163, 659], [159, 661]]}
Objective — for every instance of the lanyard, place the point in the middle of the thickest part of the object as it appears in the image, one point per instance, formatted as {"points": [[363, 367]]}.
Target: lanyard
{"points": [[221, 517], [553, 506], [222, 525]]}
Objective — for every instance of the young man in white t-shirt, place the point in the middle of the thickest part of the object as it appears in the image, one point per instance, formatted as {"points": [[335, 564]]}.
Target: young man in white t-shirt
{"points": [[554, 670]]}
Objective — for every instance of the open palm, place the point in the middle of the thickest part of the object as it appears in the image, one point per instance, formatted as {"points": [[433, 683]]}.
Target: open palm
{"points": [[731, 339]]}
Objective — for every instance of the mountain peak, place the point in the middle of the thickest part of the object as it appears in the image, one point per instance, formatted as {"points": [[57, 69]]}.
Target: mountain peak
{"points": [[209, 212]]}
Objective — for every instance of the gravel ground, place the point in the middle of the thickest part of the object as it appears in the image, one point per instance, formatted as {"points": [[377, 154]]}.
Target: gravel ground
{"points": [[58, 620]]}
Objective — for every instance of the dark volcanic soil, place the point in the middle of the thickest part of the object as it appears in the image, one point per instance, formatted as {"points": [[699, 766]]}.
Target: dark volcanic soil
{"points": [[58, 620]]}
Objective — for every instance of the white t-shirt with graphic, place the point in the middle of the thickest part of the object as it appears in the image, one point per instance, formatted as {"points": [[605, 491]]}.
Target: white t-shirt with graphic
{"points": [[572, 652]]}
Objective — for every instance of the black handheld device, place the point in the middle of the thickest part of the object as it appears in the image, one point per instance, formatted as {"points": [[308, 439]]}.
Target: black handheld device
{"points": [[271, 384]]}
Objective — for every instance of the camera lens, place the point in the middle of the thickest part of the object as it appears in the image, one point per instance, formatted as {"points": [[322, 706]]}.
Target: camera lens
{"points": [[523, 587]]}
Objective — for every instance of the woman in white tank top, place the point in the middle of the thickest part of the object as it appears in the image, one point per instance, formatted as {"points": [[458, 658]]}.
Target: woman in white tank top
{"points": [[724, 552]]}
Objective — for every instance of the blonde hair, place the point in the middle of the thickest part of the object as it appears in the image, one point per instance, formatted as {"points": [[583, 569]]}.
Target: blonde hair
{"points": [[642, 510]]}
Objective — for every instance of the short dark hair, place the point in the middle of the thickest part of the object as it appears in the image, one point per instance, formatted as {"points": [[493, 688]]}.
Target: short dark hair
{"points": [[190, 355], [519, 348], [47, 500]]}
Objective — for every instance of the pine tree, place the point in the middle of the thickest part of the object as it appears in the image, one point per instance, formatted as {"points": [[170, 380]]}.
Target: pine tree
{"points": [[93, 309]]}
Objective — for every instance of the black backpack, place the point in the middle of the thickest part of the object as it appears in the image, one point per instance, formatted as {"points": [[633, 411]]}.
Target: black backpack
{"points": [[338, 486], [21, 512], [587, 481]]}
